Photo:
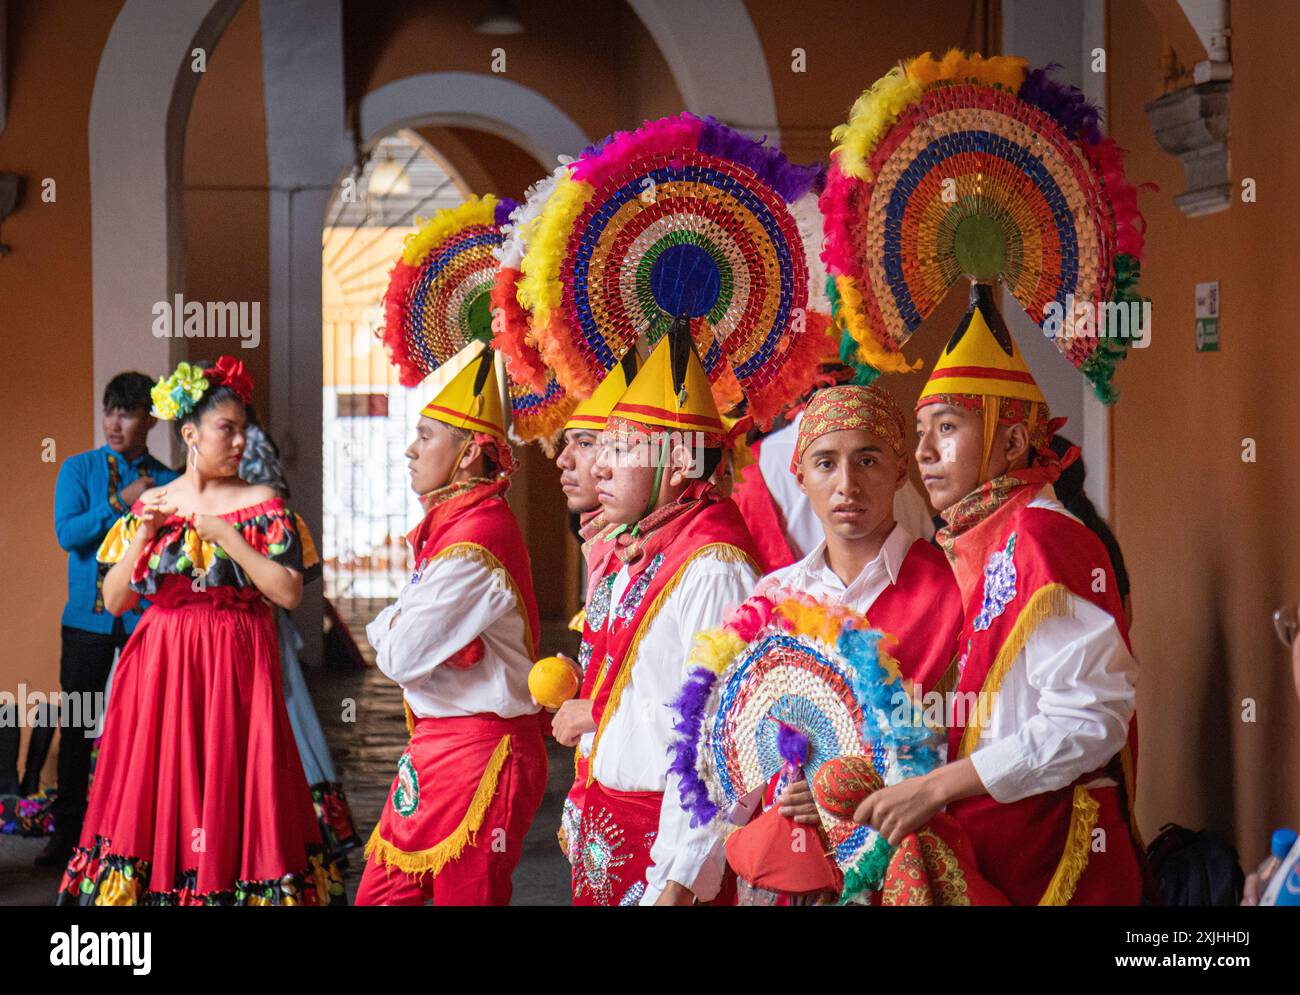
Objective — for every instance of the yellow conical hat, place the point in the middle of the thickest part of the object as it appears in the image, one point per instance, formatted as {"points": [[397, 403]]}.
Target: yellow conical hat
{"points": [[657, 401], [592, 414], [471, 400], [982, 358]]}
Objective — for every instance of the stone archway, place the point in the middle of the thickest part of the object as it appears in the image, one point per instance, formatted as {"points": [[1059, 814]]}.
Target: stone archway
{"points": [[144, 87]]}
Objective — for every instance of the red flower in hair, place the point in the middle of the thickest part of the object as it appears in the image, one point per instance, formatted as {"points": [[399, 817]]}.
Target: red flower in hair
{"points": [[230, 372]]}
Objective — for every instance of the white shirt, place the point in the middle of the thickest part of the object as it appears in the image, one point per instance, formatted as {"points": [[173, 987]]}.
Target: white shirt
{"points": [[814, 576], [1065, 703], [450, 602], [803, 530], [633, 752]]}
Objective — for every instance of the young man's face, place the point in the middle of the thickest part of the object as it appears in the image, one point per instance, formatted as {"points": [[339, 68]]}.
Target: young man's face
{"points": [[432, 456], [949, 450], [127, 429], [577, 463], [850, 477], [625, 477]]}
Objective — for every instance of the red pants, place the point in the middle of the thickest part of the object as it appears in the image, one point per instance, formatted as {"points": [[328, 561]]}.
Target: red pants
{"points": [[447, 762], [1019, 845], [613, 854]]}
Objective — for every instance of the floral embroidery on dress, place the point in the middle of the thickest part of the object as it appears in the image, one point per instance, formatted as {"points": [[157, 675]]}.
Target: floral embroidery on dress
{"points": [[631, 600], [584, 656], [999, 584], [270, 528]]}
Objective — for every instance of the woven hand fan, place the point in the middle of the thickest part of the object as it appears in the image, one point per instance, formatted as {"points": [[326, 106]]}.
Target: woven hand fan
{"points": [[784, 661], [683, 217], [438, 298], [977, 168]]}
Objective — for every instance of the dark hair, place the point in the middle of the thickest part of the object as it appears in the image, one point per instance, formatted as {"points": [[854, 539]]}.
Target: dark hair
{"points": [[712, 459], [1070, 492], [214, 396], [128, 392]]}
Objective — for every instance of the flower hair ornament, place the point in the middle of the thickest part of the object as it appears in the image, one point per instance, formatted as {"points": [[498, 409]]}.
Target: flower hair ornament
{"points": [[176, 395]]}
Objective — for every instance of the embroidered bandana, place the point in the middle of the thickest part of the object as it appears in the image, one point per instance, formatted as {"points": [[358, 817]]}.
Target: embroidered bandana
{"points": [[871, 409]]}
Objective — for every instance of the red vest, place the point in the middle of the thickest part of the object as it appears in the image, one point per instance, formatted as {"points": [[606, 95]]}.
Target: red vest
{"points": [[922, 611], [1039, 850], [763, 517], [713, 526], [485, 526]]}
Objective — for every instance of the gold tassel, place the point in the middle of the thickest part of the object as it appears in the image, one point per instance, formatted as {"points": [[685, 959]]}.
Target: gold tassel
{"points": [[720, 550], [432, 860], [1049, 601], [1078, 841], [410, 717], [475, 553]]}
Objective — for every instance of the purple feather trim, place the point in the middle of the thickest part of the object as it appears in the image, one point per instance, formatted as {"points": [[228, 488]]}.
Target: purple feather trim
{"points": [[792, 745], [504, 207], [1064, 102], [684, 751], [771, 165]]}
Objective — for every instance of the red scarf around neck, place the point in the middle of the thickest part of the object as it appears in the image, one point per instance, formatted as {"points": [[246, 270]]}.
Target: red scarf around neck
{"points": [[441, 506]]}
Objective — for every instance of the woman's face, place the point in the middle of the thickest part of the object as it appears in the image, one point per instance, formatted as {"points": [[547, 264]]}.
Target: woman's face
{"points": [[216, 441]]}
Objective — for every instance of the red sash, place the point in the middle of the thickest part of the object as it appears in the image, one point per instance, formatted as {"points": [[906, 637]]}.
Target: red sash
{"points": [[712, 527], [764, 518], [1038, 850]]}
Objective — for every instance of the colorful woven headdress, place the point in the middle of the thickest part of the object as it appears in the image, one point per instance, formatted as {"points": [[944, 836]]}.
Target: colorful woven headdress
{"points": [[683, 218], [438, 298], [979, 168]]}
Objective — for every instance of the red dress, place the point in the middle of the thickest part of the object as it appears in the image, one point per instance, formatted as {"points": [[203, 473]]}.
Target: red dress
{"points": [[199, 796]]}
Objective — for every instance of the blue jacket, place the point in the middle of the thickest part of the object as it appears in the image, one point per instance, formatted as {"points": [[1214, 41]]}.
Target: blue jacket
{"points": [[87, 501]]}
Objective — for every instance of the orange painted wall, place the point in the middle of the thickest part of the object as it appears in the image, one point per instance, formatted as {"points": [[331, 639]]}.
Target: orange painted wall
{"points": [[1211, 540], [45, 317]]}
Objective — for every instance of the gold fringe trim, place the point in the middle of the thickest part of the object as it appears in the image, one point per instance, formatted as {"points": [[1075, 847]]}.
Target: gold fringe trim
{"points": [[1049, 601], [1078, 841], [475, 553], [725, 552], [432, 860], [410, 717]]}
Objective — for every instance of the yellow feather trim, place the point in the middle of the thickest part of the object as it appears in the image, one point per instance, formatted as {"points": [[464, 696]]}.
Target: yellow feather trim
{"points": [[719, 550], [852, 317], [714, 650], [475, 553], [872, 115], [1078, 841], [432, 860], [1049, 601], [119, 537], [547, 238], [956, 66], [475, 211]]}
